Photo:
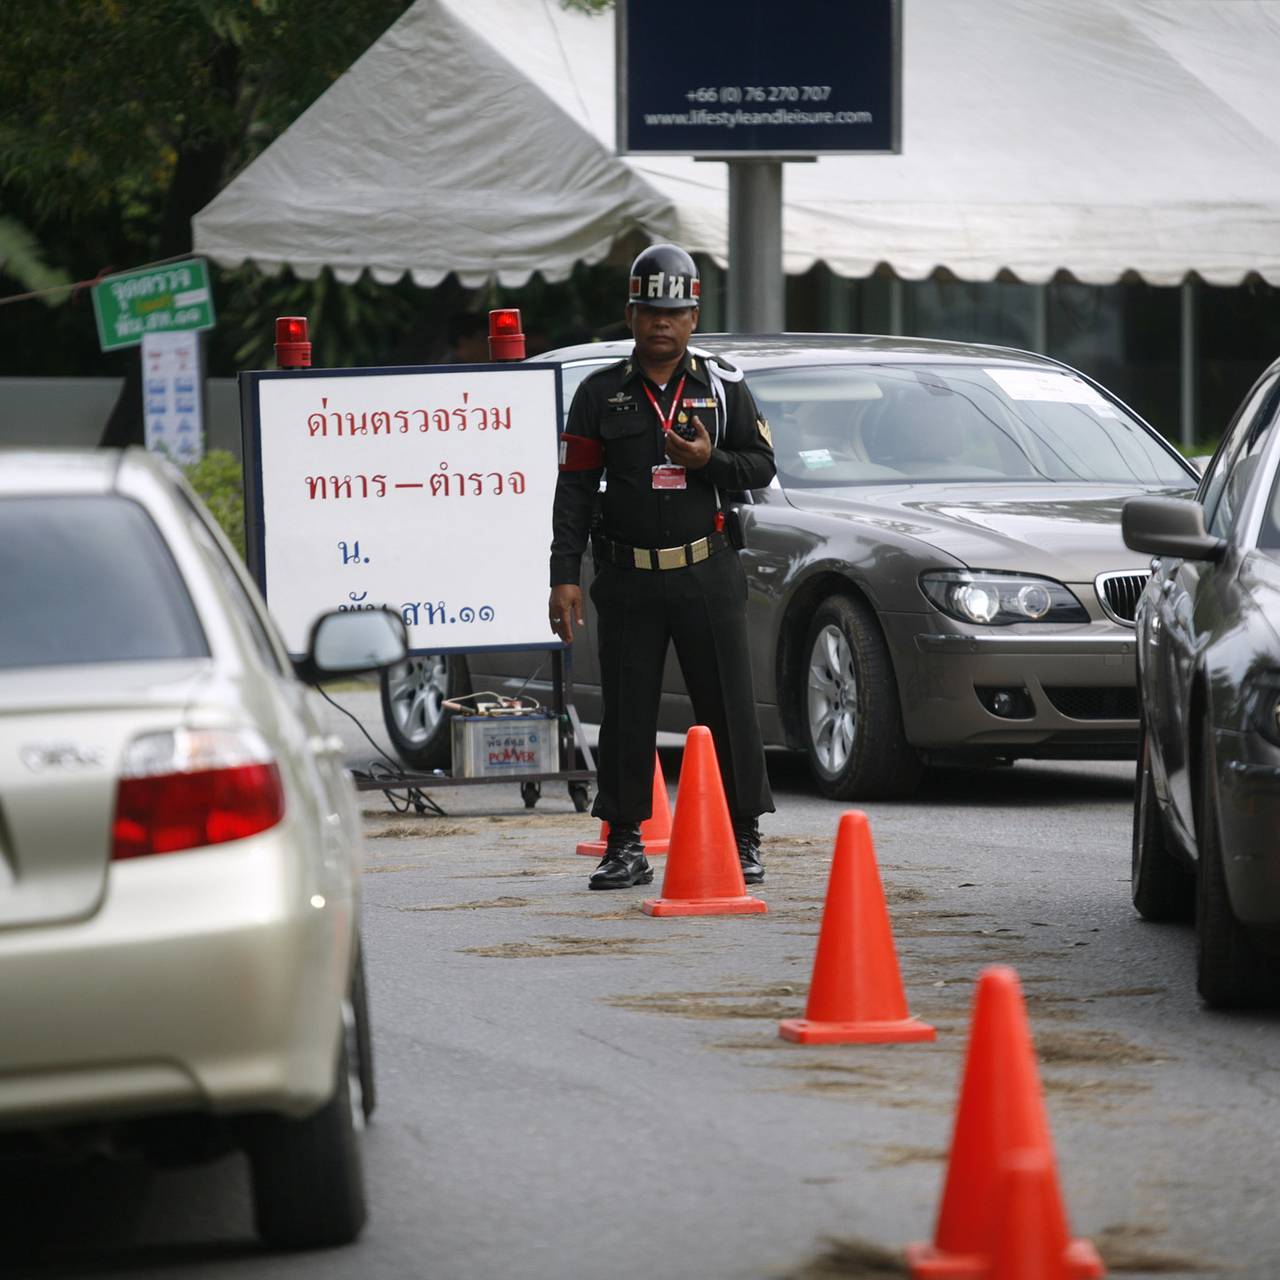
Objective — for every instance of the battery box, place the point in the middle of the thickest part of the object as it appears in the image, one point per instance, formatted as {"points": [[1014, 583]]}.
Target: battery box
{"points": [[499, 746]]}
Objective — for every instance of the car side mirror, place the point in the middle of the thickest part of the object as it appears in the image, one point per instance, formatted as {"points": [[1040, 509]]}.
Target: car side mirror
{"points": [[349, 643], [1169, 527]]}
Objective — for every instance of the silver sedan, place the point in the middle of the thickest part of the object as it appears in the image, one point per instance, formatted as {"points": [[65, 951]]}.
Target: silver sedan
{"points": [[179, 846]]}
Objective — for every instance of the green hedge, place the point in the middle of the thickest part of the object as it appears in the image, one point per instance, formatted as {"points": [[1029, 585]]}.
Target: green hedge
{"points": [[219, 480]]}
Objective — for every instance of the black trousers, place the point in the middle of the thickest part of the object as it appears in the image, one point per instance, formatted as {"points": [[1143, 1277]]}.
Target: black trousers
{"points": [[702, 608]]}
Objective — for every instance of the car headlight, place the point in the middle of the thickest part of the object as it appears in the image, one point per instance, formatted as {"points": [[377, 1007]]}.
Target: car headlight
{"points": [[1262, 701], [999, 599]]}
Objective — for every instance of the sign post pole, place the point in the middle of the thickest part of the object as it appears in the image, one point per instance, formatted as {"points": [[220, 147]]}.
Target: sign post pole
{"points": [[757, 289]]}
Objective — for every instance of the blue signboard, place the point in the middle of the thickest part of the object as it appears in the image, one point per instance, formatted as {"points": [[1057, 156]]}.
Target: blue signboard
{"points": [[757, 77]]}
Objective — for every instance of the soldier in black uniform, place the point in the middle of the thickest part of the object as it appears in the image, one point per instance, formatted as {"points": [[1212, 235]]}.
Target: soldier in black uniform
{"points": [[674, 431]]}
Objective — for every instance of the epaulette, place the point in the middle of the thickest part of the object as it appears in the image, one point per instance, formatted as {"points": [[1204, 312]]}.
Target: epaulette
{"points": [[727, 371], [623, 366]]}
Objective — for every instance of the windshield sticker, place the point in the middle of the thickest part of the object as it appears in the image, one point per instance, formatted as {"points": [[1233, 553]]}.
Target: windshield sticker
{"points": [[815, 459], [1044, 384]]}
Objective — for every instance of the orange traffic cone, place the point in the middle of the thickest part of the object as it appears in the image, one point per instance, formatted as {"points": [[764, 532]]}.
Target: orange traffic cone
{"points": [[655, 830], [703, 876], [999, 1120], [856, 994]]}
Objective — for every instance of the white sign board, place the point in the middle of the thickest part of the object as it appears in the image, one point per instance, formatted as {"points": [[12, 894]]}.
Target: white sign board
{"points": [[173, 410], [428, 492]]}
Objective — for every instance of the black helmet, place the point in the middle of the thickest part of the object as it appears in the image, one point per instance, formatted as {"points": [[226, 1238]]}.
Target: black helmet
{"points": [[664, 276]]}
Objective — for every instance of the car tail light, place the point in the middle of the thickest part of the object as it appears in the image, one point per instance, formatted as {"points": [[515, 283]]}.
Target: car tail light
{"points": [[194, 787]]}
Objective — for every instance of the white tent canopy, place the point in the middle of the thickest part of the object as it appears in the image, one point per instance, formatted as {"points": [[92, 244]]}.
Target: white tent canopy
{"points": [[1096, 136]]}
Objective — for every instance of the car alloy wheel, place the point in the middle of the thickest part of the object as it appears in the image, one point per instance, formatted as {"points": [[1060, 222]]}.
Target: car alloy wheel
{"points": [[833, 700], [413, 711], [849, 707]]}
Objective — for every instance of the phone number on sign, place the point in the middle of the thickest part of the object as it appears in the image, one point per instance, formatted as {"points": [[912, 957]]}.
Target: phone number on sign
{"points": [[761, 93]]}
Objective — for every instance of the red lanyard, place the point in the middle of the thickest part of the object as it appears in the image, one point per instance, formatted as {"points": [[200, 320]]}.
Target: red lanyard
{"points": [[668, 418]]}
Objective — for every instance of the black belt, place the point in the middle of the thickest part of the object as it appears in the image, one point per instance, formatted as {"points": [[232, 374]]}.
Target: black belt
{"points": [[624, 557]]}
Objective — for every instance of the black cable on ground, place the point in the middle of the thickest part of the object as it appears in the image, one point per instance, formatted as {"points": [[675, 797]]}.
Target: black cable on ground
{"points": [[377, 772]]}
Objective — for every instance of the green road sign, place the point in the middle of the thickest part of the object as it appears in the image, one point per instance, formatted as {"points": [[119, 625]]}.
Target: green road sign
{"points": [[154, 300]]}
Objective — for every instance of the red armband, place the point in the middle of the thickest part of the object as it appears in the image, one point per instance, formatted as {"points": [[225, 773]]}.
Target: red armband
{"points": [[577, 453]]}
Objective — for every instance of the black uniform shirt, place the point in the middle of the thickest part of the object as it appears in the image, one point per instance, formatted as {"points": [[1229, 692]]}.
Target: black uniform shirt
{"points": [[611, 406]]}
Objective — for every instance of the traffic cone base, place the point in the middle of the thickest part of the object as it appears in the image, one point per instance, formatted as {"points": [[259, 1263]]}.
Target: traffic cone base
{"points": [[1080, 1261], [746, 905], [898, 1031]]}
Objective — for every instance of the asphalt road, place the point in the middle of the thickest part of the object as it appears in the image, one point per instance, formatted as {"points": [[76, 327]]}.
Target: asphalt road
{"points": [[570, 1088]]}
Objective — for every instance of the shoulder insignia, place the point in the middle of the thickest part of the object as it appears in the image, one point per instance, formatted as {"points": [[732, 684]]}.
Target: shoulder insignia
{"points": [[693, 364], [765, 434], [605, 371]]}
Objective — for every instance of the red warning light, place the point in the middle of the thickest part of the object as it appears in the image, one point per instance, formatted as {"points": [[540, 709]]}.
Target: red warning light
{"points": [[293, 347], [506, 341]]}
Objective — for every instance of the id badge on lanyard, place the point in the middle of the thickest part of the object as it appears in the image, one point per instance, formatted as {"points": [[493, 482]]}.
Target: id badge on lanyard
{"points": [[667, 475]]}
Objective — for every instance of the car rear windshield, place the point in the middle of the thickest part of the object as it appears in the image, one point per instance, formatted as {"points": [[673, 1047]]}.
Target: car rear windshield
{"points": [[89, 579], [877, 424]]}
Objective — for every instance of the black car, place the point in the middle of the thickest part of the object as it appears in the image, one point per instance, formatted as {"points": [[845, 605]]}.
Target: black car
{"points": [[1207, 806]]}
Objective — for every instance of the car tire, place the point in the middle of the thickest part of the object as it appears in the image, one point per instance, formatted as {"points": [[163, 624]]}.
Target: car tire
{"points": [[413, 711], [849, 707], [363, 1037], [1232, 971], [307, 1175], [1162, 888]]}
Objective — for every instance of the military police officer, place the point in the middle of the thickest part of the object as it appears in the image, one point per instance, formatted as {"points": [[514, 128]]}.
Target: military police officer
{"points": [[674, 431]]}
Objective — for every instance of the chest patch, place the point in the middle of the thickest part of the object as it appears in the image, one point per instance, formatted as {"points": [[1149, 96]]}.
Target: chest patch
{"points": [[707, 403]]}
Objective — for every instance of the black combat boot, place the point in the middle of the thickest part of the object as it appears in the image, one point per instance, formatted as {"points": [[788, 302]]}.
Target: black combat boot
{"points": [[624, 863], [746, 831]]}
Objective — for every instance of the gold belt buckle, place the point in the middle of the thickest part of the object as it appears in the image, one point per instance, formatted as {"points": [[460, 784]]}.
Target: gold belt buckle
{"points": [[701, 550], [641, 555], [671, 558]]}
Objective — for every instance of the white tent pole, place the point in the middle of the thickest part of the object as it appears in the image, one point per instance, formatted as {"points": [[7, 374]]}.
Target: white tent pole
{"points": [[757, 301], [1189, 362]]}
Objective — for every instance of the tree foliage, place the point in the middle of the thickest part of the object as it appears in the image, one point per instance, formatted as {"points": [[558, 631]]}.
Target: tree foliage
{"points": [[123, 118]]}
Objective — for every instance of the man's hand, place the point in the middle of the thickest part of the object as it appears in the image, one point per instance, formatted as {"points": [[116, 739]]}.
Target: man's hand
{"points": [[694, 454], [564, 609]]}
